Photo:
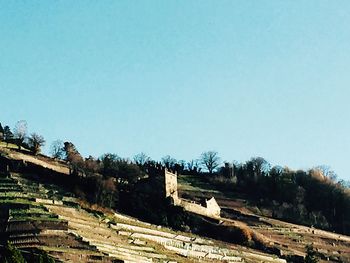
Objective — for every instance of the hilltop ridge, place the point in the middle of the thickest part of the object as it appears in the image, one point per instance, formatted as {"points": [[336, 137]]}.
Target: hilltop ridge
{"points": [[45, 217], [60, 225]]}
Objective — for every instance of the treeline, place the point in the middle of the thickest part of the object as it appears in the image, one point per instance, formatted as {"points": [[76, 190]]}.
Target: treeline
{"points": [[314, 197], [98, 180]]}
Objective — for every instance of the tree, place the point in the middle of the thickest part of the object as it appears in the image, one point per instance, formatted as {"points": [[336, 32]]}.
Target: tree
{"points": [[141, 158], [327, 171], [169, 162], [311, 254], [210, 160], [92, 165], [257, 167], [12, 255], [109, 162], [192, 167], [72, 155], [57, 149], [1, 133], [35, 142], [20, 132], [8, 135]]}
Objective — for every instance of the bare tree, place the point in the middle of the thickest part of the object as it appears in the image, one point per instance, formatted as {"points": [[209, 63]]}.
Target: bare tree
{"points": [[327, 171], [57, 150], [260, 166], [35, 142], [193, 166], [210, 160], [20, 132], [92, 165], [168, 161], [141, 158]]}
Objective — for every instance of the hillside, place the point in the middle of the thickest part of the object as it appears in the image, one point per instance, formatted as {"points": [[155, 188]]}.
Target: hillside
{"points": [[40, 215], [291, 239], [44, 217]]}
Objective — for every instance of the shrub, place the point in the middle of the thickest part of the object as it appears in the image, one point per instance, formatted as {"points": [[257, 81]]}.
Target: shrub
{"points": [[311, 255]]}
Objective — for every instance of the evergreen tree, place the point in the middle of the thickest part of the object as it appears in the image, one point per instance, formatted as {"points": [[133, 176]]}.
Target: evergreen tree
{"points": [[8, 135]]}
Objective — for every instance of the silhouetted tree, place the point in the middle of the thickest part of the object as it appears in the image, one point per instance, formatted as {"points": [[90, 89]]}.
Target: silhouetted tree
{"points": [[35, 142], [73, 156], [168, 161], [8, 135], [141, 159], [193, 167], [1, 133], [92, 165], [109, 165], [260, 166], [57, 149], [210, 160]]}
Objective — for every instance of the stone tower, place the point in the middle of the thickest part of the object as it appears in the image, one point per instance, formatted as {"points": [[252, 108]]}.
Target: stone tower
{"points": [[171, 186]]}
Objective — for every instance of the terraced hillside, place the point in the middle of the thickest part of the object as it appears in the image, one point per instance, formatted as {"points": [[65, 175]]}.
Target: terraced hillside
{"points": [[43, 217], [290, 239]]}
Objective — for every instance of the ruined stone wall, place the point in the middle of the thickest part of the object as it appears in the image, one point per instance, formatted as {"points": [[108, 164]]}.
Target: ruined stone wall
{"points": [[48, 201], [212, 207], [193, 207], [212, 210], [34, 226]]}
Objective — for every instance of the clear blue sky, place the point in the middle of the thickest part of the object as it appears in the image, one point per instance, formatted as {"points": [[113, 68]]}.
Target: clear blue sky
{"points": [[244, 78]]}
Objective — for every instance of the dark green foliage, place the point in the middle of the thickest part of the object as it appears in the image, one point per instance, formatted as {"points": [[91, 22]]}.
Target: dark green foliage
{"points": [[35, 142], [44, 258], [309, 198], [36, 256], [8, 135], [1, 132], [12, 255], [114, 166], [311, 255]]}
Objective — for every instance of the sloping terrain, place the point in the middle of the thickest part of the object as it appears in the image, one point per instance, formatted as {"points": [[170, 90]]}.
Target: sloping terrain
{"points": [[42, 216], [40, 160], [290, 239]]}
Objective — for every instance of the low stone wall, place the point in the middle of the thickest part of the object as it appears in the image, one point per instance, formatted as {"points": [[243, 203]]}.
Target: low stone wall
{"points": [[48, 201], [194, 207], [34, 226], [213, 210]]}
